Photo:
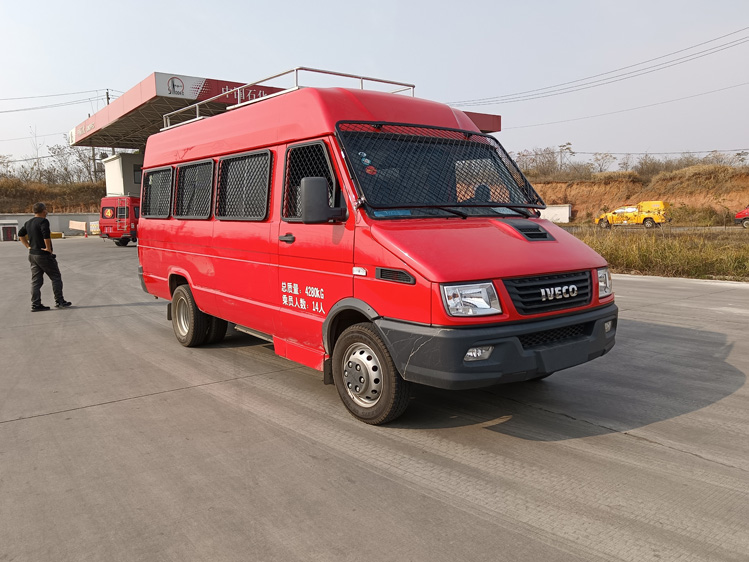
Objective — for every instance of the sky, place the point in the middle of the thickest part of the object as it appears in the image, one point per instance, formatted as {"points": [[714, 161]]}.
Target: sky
{"points": [[692, 95]]}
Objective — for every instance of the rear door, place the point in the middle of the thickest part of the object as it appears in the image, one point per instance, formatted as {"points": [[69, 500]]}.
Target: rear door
{"points": [[315, 260]]}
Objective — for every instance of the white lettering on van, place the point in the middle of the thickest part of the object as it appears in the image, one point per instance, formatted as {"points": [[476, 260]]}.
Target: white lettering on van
{"points": [[292, 296], [314, 292]]}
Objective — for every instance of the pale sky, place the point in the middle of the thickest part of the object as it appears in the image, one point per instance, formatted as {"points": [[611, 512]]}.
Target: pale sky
{"points": [[451, 50]]}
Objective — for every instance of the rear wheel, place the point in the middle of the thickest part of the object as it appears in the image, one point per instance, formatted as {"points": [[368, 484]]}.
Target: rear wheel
{"points": [[366, 378], [216, 330], [189, 322], [745, 223], [124, 241], [117, 242], [649, 223]]}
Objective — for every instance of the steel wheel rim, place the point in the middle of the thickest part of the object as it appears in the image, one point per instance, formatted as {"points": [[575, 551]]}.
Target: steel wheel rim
{"points": [[362, 375], [182, 314]]}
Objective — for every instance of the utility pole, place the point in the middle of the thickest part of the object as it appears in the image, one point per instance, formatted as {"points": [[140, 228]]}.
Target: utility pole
{"points": [[113, 148]]}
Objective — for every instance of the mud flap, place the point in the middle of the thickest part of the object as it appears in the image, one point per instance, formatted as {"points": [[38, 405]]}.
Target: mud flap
{"points": [[327, 372]]}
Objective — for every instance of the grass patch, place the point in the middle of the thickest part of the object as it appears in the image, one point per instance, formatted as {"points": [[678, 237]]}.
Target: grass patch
{"points": [[697, 254]]}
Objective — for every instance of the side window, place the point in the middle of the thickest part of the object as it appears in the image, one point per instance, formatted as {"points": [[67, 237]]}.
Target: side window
{"points": [[136, 212], [137, 174], [244, 187], [107, 212], [192, 198], [304, 161], [157, 193]]}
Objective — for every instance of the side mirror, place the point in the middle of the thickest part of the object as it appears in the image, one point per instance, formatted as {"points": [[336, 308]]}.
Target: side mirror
{"points": [[313, 196]]}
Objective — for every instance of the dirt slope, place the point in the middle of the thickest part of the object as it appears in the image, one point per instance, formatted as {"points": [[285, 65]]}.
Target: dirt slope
{"points": [[721, 188]]}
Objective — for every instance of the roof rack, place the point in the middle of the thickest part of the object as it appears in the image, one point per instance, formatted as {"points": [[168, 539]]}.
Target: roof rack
{"points": [[168, 118]]}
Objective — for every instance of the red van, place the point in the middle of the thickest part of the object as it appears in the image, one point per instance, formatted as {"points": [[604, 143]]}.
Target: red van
{"points": [[119, 219], [377, 237]]}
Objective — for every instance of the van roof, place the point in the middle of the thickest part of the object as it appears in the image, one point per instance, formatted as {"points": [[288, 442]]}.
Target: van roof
{"points": [[295, 116]]}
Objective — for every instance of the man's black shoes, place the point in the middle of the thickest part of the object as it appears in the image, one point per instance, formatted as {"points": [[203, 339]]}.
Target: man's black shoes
{"points": [[61, 304]]}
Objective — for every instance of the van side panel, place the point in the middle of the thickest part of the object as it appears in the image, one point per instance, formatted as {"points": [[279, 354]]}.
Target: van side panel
{"points": [[400, 292], [183, 248], [245, 275]]}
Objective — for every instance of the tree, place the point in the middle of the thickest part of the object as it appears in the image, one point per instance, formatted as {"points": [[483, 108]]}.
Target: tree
{"points": [[602, 161]]}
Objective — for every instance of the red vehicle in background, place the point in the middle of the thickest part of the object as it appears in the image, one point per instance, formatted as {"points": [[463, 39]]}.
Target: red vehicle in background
{"points": [[742, 217], [119, 219]]}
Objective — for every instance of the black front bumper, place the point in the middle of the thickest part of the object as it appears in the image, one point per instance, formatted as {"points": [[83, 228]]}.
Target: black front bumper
{"points": [[434, 356]]}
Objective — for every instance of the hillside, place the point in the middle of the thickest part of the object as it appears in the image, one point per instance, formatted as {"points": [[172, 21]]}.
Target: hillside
{"points": [[706, 193], [719, 191]]}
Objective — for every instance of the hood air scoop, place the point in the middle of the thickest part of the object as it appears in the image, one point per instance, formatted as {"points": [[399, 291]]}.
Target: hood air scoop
{"points": [[530, 230]]}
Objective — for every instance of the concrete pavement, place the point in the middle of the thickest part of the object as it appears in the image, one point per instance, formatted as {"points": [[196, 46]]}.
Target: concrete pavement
{"points": [[116, 443]]}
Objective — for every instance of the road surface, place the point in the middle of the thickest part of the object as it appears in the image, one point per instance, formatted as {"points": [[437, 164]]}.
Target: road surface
{"points": [[118, 444]]}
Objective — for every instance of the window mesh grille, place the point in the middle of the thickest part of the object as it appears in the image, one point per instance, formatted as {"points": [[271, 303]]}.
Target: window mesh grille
{"points": [[194, 188], [407, 165], [305, 161], [243, 187], [157, 194]]}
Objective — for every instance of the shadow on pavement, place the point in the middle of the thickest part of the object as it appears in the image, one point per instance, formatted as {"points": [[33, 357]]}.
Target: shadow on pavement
{"points": [[654, 373]]}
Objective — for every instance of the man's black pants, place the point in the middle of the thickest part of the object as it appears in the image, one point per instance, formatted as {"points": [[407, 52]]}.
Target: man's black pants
{"points": [[39, 266]]}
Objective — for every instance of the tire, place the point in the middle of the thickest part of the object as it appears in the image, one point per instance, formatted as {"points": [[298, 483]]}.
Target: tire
{"points": [[745, 223], [124, 241], [189, 322], [649, 223], [604, 224], [117, 242], [360, 355], [216, 330]]}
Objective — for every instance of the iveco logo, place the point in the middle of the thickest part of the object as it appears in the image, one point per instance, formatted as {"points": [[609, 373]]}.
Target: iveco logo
{"points": [[564, 292]]}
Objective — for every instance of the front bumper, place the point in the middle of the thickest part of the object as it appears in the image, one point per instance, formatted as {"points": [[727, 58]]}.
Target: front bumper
{"points": [[434, 356]]}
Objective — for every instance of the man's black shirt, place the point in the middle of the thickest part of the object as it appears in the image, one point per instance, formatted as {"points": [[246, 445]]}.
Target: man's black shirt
{"points": [[37, 229]]}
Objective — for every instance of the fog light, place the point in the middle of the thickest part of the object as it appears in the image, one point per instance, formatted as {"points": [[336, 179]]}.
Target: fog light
{"points": [[608, 325], [478, 353]]}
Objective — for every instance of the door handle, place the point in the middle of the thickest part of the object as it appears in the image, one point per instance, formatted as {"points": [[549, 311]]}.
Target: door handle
{"points": [[288, 238]]}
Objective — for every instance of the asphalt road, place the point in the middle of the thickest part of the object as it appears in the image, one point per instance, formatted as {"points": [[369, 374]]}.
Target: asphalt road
{"points": [[118, 444]]}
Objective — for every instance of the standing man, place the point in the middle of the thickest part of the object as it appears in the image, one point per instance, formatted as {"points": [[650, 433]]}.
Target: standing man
{"points": [[36, 236]]}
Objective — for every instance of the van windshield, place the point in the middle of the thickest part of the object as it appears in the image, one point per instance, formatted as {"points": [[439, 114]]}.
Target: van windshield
{"points": [[406, 171]]}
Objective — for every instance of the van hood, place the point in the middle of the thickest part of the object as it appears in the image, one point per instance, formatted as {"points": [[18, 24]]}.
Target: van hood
{"points": [[450, 250]]}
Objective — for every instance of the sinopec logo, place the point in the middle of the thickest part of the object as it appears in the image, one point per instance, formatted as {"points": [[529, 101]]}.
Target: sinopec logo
{"points": [[175, 86]]}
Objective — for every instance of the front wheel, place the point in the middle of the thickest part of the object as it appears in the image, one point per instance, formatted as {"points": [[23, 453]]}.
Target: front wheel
{"points": [[366, 378], [603, 224], [745, 223], [189, 322]]}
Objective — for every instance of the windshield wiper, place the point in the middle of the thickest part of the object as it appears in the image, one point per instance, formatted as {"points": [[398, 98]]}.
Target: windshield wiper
{"points": [[452, 210]]}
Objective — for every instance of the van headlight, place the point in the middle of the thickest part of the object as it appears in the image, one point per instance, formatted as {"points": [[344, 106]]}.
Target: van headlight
{"points": [[475, 299], [604, 283]]}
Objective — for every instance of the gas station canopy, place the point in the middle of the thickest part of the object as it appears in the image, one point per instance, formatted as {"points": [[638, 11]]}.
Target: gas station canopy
{"points": [[138, 113], [129, 120]]}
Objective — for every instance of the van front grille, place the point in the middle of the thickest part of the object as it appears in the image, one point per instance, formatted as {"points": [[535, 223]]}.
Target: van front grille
{"points": [[548, 293], [556, 335]]}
